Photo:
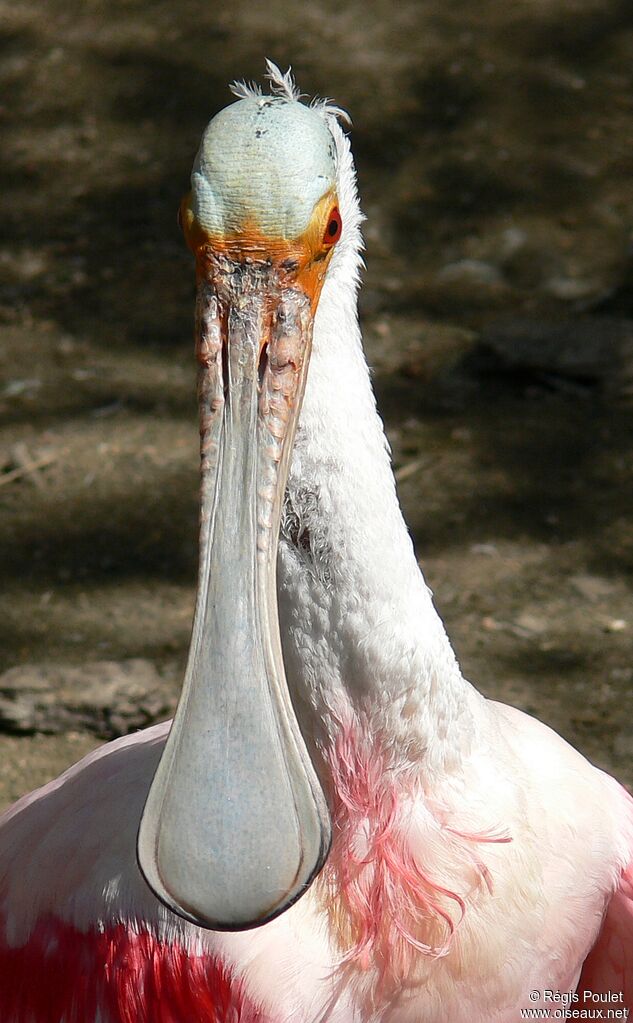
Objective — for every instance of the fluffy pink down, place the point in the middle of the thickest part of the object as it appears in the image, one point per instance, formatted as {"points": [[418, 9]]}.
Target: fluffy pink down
{"points": [[121, 975], [390, 909]]}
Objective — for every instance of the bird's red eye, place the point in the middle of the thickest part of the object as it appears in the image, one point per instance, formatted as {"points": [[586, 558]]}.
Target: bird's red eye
{"points": [[333, 227]]}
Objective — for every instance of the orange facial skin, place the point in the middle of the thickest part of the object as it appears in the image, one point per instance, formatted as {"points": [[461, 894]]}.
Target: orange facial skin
{"points": [[301, 261]]}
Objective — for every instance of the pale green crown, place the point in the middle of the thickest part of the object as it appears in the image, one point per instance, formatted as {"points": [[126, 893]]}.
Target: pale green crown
{"points": [[265, 161]]}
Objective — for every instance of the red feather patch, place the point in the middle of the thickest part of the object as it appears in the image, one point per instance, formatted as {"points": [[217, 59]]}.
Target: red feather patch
{"points": [[64, 974]]}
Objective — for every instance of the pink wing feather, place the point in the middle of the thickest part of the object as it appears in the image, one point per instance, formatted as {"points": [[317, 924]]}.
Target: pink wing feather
{"points": [[608, 969]]}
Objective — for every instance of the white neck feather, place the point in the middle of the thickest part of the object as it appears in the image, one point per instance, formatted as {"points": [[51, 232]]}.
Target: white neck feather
{"points": [[358, 624]]}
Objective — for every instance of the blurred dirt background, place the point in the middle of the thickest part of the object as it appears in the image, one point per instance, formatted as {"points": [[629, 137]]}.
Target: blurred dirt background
{"points": [[494, 151]]}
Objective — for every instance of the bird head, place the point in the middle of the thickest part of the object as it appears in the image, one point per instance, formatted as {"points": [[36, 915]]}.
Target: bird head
{"points": [[236, 825]]}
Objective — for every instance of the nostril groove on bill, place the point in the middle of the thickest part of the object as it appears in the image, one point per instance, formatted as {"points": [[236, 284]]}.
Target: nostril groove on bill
{"points": [[225, 371], [263, 363]]}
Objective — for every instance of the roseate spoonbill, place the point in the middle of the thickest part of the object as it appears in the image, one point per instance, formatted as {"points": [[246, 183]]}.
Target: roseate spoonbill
{"points": [[337, 827]]}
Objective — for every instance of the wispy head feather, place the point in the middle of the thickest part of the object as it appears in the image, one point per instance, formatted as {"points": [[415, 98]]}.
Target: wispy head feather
{"points": [[283, 85], [245, 90], [329, 109]]}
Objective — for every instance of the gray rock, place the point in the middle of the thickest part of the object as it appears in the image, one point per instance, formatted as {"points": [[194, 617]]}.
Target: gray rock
{"points": [[589, 351], [107, 698]]}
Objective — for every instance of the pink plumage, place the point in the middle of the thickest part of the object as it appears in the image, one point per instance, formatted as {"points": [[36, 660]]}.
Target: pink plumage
{"points": [[84, 941], [608, 969], [387, 894]]}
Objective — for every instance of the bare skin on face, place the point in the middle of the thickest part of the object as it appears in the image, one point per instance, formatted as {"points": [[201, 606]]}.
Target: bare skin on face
{"points": [[302, 261]]}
